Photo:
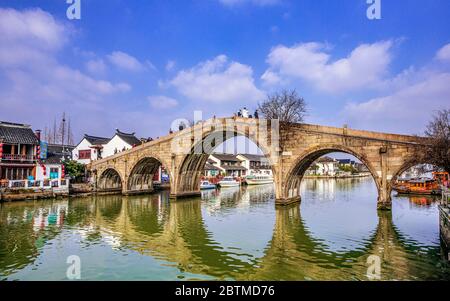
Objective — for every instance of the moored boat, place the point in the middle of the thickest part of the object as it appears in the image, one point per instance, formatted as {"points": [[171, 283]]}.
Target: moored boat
{"points": [[228, 182], [206, 185], [258, 179], [419, 186]]}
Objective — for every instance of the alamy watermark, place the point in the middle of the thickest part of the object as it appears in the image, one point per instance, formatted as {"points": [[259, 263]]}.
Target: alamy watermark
{"points": [[73, 272], [374, 267], [374, 10], [74, 10]]}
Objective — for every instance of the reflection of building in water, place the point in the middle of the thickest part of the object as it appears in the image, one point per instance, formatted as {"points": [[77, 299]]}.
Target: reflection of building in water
{"points": [[176, 233], [50, 215], [237, 197], [323, 188]]}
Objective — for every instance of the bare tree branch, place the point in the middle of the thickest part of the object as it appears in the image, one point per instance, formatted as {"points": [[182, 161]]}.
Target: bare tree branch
{"points": [[287, 106], [438, 153]]}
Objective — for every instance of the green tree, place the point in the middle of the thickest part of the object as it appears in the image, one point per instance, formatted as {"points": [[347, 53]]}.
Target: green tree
{"points": [[74, 169], [348, 168]]}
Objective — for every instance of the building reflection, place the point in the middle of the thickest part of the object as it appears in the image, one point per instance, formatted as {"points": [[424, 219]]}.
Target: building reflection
{"points": [[176, 233]]}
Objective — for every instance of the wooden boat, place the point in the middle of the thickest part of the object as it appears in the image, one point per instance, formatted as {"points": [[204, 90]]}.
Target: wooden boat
{"points": [[206, 185], [228, 182], [419, 186], [258, 180]]}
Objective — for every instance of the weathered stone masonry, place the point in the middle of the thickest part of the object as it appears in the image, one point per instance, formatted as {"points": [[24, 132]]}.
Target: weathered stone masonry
{"points": [[185, 153]]}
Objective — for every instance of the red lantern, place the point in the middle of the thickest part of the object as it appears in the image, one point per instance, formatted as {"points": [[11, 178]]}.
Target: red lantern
{"points": [[63, 172], [1, 150], [44, 170]]}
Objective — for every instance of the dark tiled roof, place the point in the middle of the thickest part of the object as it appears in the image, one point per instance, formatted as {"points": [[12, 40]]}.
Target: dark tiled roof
{"points": [[55, 153], [96, 140], [53, 159], [233, 167], [326, 160], [346, 161], [59, 149], [254, 157], [226, 157], [128, 138], [211, 167], [14, 133]]}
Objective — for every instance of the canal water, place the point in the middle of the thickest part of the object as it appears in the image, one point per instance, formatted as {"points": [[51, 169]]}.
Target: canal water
{"points": [[233, 234]]}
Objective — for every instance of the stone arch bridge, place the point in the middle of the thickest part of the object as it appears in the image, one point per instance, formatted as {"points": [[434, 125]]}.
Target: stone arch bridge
{"points": [[290, 148]]}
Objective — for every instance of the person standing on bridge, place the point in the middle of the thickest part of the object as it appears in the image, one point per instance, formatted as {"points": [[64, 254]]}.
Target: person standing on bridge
{"points": [[244, 112]]}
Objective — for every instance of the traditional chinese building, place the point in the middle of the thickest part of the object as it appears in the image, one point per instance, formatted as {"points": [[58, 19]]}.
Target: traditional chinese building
{"points": [[18, 151]]}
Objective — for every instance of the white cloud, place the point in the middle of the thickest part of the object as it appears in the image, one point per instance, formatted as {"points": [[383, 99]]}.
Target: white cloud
{"points": [[218, 81], [170, 65], [96, 66], [444, 53], [271, 78], [162, 102], [32, 27], [125, 61], [35, 85], [407, 110], [364, 67], [254, 2], [28, 36]]}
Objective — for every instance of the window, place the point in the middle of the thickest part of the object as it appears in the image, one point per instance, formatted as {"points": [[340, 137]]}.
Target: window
{"points": [[54, 173], [84, 154]]}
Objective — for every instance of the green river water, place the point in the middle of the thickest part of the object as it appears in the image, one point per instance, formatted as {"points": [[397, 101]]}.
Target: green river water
{"points": [[228, 234]]}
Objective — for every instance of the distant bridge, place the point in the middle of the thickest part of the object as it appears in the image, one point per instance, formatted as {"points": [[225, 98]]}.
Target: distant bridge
{"points": [[290, 148]]}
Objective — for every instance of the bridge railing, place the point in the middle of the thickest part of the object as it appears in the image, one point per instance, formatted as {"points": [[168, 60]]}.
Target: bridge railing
{"points": [[47, 184]]}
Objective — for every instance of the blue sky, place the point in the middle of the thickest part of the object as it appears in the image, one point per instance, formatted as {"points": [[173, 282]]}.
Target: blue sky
{"points": [[139, 65]]}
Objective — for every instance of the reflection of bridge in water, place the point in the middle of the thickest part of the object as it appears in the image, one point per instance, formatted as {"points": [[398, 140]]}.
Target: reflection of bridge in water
{"points": [[177, 233]]}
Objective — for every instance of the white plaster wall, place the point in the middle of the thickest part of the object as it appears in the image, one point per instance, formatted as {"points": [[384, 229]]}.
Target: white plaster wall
{"points": [[216, 162], [40, 171], [115, 143], [326, 168], [244, 161], [84, 145]]}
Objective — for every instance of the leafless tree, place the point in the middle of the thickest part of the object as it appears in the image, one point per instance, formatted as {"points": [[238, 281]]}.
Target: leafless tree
{"points": [[54, 133], [62, 130], [70, 140], [438, 130], [287, 106]]}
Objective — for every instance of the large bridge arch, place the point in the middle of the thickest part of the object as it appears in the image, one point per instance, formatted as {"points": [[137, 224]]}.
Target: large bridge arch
{"points": [[409, 163], [110, 180], [302, 162], [142, 171], [192, 164]]}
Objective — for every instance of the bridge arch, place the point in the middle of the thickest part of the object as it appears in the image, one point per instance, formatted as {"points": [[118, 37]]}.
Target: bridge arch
{"points": [[291, 187], [193, 163], [110, 180], [407, 165], [140, 178]]}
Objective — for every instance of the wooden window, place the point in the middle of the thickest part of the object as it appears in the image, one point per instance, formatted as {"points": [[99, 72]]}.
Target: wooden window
{"points": [[84, 154]]}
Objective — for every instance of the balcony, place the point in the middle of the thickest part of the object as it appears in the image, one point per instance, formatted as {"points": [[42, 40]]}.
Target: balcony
{"points": [[17, 158]]}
